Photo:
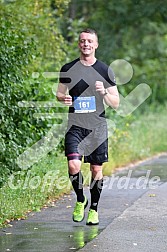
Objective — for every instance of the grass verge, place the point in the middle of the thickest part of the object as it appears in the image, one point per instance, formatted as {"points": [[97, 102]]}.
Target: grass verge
{"points": [[137, 138]]}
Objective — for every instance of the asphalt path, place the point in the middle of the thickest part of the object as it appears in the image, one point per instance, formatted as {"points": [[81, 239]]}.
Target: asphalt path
{"points": [[132, 214], [141, 227]]}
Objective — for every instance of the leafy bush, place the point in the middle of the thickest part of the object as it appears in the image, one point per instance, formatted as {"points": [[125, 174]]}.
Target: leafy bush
{"points": [[17, 125], [31, 42]]}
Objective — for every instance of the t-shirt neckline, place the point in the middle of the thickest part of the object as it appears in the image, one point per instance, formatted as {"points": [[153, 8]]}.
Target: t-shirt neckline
{"points": [[88, 65]]}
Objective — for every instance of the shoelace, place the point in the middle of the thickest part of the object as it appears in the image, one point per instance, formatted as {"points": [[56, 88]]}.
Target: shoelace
{"points": [[92, 214]]}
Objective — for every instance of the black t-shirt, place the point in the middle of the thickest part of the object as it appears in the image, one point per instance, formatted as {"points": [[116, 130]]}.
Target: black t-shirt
{"points": [[80, 80]]}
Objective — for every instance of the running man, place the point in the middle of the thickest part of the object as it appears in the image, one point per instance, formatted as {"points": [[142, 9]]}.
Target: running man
{"points": [[85, 85]]}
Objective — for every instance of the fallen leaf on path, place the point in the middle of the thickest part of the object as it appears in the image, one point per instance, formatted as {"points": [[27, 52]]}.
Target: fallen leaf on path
{"points": [[68, 206], [9, 225], [152, 228]]}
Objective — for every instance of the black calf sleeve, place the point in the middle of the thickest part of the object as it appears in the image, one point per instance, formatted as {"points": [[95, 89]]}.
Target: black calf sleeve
{"points": [[95, 190], [77, 183]]}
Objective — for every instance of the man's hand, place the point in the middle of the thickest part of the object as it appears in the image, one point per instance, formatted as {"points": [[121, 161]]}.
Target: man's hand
{"points": [[100, 87], [68, 100]]}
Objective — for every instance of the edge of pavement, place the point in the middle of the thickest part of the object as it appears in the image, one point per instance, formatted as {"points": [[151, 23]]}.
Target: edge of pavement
{"points": [[141, 227]]}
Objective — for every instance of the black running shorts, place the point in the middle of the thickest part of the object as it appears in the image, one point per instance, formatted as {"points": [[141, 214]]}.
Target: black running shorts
{"points": [[92, 144]]}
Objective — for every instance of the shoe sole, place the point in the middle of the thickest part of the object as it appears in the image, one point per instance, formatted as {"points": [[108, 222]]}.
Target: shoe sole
{"points": [[91, 224], [84, 213]]}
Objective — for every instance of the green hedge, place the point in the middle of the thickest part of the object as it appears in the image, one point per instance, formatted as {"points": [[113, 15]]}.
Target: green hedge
{"points": [[17, 124]]}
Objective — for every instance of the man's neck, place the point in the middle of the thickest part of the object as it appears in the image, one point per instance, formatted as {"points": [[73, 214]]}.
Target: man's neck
{"points": [[87, 61]]}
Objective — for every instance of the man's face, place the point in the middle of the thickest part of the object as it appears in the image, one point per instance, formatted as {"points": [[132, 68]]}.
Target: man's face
{"points": [[87, 43]]}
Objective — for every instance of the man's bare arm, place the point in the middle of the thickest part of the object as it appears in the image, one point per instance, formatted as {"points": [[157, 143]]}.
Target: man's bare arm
{"points": [[111, 97], [62, 95], [110, 94]]}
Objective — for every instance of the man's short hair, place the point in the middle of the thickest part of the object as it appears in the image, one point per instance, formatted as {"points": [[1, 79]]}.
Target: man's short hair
{"points": [[91, 31]]}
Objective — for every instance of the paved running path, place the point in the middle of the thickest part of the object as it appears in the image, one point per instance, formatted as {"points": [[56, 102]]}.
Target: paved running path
{"points": [[140, 228], [133, 218]]}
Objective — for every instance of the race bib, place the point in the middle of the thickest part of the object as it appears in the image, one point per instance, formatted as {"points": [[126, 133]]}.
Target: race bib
{"points": [[84, 104]]}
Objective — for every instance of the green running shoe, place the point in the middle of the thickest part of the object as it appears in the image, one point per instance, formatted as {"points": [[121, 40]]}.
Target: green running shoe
{"points": [[92, 218], [78, 213]]}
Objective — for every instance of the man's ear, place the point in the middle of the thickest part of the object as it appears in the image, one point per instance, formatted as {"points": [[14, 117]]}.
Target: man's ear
{"points": [[79, 46], [97, 44]]}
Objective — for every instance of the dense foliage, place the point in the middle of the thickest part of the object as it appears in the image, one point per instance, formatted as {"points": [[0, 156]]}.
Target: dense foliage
{"points": [[30, 43], [128, 29], [15, 55]]}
